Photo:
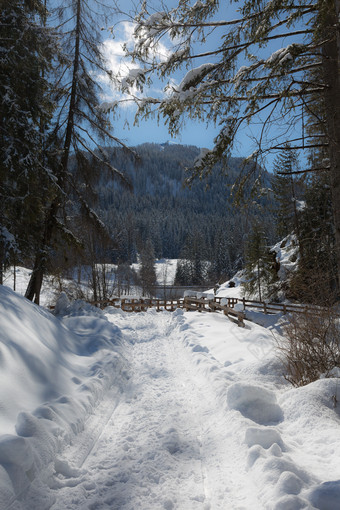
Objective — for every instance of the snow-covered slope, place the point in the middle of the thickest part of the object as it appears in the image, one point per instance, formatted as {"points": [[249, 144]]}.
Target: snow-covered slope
{"points": [[111, 410], [52, 377]]}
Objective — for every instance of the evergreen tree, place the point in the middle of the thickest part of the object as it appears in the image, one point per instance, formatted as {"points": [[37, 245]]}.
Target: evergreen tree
{"points": [[286, 193], [27, 48], [147, 273], [180, 277], [221, 267], [315, 280], [194, 252], [259, 265], [79, 123]]}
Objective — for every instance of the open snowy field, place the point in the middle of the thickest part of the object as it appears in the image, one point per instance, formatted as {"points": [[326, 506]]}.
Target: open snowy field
{"points": [[111, 410], [165, 273]]}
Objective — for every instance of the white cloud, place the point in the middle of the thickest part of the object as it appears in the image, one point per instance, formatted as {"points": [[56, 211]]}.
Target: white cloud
{"points": [[123, 67], [118, 63]]}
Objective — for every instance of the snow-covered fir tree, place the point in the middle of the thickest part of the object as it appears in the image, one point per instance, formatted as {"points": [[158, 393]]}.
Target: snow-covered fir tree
{"points": [[27, 50]]}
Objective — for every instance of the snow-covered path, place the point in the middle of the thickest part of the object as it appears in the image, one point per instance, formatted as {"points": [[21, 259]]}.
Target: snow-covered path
{"points": [[165, 445], [118, 411]]}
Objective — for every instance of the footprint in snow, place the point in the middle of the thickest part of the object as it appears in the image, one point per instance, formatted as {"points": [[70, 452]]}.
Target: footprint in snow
{"points": [[200, 348], [254, 402], [263, 436]]}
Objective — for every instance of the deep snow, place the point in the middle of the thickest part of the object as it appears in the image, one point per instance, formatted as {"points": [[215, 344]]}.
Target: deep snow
{"points": [[111, 410]]}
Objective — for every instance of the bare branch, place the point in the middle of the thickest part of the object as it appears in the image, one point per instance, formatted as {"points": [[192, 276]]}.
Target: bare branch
{"points": [[316, 169]]}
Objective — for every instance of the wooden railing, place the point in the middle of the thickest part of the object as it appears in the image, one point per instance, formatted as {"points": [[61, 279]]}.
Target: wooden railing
{"points": [[187, 303], [142, 304], [271, 307], [206, 304], [214, 305]]}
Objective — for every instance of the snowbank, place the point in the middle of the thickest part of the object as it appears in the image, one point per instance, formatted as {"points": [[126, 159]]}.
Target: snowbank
{"points": [[288, 436], [230, 288], [287, 255], [52, 377]]}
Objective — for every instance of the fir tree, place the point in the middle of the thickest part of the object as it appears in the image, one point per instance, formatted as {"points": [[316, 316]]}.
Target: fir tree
{"points": [[315, 280], [194, 253], [259, 265], [147, 273], [220, 269], [180, 276], [27, 49], [79, 124], [286, 191]]}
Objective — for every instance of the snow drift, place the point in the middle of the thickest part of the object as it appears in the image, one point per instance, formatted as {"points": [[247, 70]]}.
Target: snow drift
{"points": [[52, 376]]}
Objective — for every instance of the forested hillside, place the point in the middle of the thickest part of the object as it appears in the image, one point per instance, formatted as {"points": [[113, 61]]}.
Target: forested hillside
{"points": [[178, 220]]}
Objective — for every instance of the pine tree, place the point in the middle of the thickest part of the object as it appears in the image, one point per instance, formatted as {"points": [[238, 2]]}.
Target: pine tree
{"points": [[194, 252], [27, 48], [315, 280], [79, 124], [180, 275], [259, 265], [221, 268], [286, 191], [147, 273]]}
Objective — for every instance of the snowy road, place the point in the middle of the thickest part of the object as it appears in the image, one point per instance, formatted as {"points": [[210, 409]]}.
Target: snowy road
{"points": [[165, 444]]}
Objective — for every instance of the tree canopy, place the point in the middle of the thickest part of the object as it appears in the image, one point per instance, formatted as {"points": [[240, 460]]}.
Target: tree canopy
{"points": [[274, 62], [27, 50]]}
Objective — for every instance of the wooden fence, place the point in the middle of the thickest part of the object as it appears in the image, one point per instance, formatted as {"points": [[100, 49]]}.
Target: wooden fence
{"points": [[141, 304], [214, 305], [187, 303], [206, 304], [271, 307]]}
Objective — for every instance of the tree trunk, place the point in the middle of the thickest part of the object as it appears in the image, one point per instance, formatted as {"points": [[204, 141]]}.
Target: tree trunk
{"points": [[331, 54], [259, 280], [35, 283]]}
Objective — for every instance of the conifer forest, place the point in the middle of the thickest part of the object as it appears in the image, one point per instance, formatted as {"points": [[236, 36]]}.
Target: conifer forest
{"points": [[72, 191]]}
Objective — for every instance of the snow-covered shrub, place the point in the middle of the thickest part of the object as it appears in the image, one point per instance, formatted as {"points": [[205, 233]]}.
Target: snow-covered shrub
{"points": [[310, 348]]}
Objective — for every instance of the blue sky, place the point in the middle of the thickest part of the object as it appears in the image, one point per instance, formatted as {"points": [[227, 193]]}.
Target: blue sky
{"points": [[193, 133]]}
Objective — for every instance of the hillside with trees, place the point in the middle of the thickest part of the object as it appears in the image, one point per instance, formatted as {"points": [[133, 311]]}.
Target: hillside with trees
{"points": [[179, 221], [268, 69]]}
